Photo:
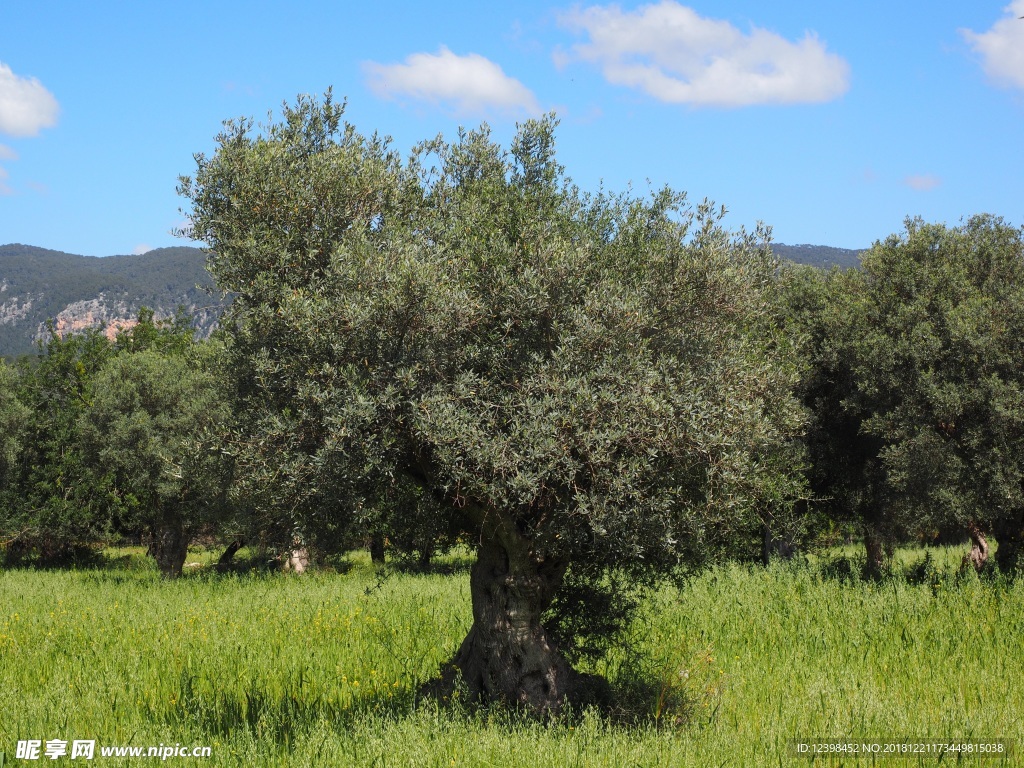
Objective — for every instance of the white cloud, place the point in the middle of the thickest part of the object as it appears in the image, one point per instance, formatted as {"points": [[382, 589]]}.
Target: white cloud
{"points": [[142, 248], [1001, 48], [6, 153], [26, 106], [675, 55], [468, 85], [922, 182]]}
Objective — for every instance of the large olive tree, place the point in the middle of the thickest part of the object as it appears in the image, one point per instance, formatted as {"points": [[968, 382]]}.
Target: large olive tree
{"points": [[589, 386]]}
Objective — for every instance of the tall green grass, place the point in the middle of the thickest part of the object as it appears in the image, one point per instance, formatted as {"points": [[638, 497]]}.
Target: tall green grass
{"points": [[323, 668]]}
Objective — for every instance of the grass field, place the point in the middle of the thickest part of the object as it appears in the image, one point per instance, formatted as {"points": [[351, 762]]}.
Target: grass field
{"points": [[322, 669]]}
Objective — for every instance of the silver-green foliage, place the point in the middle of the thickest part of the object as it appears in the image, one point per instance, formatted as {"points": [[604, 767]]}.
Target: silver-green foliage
{"points": [[915, 382], [599, 371], [942, 312]]}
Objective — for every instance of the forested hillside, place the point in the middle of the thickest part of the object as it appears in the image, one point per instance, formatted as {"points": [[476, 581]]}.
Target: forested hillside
{"points": [[38, 285], [818, 255]]}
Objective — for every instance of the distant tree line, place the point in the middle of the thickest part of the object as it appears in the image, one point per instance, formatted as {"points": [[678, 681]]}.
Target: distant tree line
{"points": [[594, 391]]}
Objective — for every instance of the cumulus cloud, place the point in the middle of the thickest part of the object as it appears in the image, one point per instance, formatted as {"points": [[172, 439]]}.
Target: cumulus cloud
{"points": [[142, 248], [467, 85], [674, 54], [1001, 48], [922, 182], [26, 107]]}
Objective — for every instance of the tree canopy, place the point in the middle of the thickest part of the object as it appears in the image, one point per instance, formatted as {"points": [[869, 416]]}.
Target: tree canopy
{"points": [[154, 429], [585, 383]]}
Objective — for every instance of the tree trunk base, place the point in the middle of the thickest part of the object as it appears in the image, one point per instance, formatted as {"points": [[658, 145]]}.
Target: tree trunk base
{"points": [[377, 550], [779, 547], [875, 562], [507, 657], [297, 559], [532, 677], [878, 550], [423, 560], [169, 548], [228, 555]]}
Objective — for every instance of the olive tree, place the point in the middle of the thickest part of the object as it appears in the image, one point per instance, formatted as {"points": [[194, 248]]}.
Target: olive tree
{"points": [[941, 341], [589, 386], [915, 388], [846, 474], [55, 507], [153, 427]]}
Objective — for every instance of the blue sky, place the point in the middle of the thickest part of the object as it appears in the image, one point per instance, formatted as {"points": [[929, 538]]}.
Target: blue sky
{"points": [[829, 121]]}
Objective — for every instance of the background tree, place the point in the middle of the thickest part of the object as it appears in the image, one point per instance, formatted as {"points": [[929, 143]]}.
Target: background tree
{"points": [[154, 428], [941, 341], [588, 386], [844, 467], [914, 385], [57, 508]]}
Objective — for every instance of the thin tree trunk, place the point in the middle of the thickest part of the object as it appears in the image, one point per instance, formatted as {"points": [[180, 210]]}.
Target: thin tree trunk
{"points": [[169, 546], [423, 561], [978, 556], [874, 545], [229, 554], [508, 656]]}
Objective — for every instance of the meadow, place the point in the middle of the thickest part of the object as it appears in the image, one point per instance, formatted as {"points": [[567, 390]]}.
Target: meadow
{"points": [[323, 669]]}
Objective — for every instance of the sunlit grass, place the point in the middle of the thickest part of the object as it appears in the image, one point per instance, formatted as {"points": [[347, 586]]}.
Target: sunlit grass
{"points": [[323, 668]]}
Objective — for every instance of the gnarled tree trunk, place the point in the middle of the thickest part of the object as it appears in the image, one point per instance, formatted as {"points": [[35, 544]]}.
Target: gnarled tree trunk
{"points": [[169, 546], [978, 556], [297, 558], [507, 655]]}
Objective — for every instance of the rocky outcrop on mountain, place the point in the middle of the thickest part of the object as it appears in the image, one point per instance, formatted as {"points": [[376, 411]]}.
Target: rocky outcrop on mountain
{"points": [[91, 313], [15, 309], [39, 287]]}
